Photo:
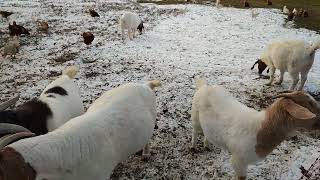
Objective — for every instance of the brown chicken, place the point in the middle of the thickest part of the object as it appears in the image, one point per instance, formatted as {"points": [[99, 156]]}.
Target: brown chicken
{"points": [[17, 30], [5, 14], [246, 4], [44, 26], [305, 13], [88, 37], [93, 13]]}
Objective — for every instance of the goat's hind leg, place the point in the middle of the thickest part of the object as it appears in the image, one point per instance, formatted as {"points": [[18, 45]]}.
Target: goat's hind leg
{"points": [[303, 80]]}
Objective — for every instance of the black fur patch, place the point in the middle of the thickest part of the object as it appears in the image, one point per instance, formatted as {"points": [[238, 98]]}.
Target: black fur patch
{"points": [[57, 90], [32, 115], [52, 96], [140, 27]]}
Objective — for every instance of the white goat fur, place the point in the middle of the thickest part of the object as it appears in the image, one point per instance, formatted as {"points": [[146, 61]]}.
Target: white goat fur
{"points": [[224, 121], [116, 125], [66, 107], [129, 21], [285, 10], [293, 56]]}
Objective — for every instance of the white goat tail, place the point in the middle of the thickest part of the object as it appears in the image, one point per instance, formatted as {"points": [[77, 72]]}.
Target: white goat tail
{"points": [[71, 71], [200, 82], [314, 47], [154, 83]]}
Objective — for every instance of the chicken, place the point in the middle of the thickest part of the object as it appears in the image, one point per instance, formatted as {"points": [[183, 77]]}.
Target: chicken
{"points": [[305, 13], [246, 4], [5, 14], [44, 26], [17, 30], [88, 37], [269, 2], [254, 14], [12, 47], [93, 13]]}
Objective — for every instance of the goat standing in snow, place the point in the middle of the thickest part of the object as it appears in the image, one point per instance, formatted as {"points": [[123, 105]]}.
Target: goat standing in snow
{"points": [[249, 135], [59, 102], [116, 125], [293, 56], [131, 22]]}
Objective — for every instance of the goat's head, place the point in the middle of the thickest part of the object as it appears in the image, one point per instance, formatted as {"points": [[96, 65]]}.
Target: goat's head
{"points": [[261, 66], [304, 109], [140, 27]]}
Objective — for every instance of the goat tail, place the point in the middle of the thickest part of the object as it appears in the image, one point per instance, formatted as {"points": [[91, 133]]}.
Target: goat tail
{"points": [[314, 47], [200, 82], [71, 71], [154, 83]]}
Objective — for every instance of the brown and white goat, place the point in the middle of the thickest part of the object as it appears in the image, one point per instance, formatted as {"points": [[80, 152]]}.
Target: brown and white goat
{"points": [[248, 134]]}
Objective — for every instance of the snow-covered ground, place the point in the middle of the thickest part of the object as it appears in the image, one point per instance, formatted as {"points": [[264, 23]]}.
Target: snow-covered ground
{"points": [[181, 42]]}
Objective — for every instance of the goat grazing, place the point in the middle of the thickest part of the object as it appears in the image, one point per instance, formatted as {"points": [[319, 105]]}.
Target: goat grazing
{"points": [[116, 125], [59, 102], [249, 135], [131, 22], [293, 56]]}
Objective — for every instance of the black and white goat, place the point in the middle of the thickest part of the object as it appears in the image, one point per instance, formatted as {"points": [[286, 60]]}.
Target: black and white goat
{"points": [[59, 102]]}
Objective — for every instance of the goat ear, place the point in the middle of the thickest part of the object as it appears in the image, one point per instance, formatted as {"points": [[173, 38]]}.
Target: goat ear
{"points": [[296, 110]]}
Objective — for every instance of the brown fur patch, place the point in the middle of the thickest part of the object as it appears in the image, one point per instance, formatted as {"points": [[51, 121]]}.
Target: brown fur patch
{"points": [[277, 125], [13, 166]]}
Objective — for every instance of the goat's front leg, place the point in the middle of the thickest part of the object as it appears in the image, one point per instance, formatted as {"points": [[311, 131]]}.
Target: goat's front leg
{"points": [[240, 167], [129, 34], [295, 79], [272, 71], [281, 77]]}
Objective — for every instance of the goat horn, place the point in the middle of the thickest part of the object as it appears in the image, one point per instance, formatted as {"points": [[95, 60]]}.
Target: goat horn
{"points": [[6, 128], [8, 103], [8, 139]]}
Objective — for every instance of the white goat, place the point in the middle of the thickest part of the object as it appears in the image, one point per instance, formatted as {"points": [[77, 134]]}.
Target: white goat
{"points": [[286, 10], [293, 56], [248, 134], [116, 125], [131, 22], [59, 102]]}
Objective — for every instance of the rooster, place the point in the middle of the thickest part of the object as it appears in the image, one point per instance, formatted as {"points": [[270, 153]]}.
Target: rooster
{"points": [[17, 30]]}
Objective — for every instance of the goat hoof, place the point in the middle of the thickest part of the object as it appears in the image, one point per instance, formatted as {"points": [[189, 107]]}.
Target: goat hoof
{"points": [[206, 148], [278, 83], [145, 157]]}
